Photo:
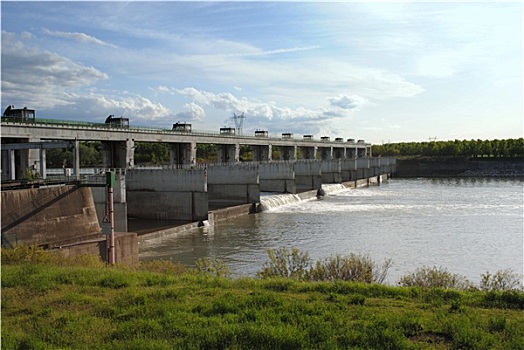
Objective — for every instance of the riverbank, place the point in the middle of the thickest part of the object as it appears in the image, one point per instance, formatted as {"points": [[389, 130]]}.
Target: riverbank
{"points": [[460, 167], [46, 306]]}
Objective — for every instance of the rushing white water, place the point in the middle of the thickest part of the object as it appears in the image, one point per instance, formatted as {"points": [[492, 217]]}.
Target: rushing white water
{"points": [[269, 202], [469, 226]]}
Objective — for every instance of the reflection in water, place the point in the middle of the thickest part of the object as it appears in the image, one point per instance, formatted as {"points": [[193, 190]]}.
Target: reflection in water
{"points": [[469, 226]]}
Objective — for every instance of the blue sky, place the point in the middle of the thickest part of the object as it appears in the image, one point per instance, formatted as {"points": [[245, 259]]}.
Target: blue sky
{"points": [[379, 71]]}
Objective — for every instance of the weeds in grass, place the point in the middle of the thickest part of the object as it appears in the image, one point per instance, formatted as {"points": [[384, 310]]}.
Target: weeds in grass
{"points": [[163, 266], [213, 267], [286, 263], [354, 267], [292, 263], [435, 277], [502, 280]]}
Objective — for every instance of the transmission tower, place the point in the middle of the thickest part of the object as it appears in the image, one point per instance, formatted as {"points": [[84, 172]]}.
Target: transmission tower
{"points": [[239, 121]]}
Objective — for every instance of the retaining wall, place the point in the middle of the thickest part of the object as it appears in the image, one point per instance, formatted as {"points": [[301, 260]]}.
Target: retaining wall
{"points": [[44, 216]]}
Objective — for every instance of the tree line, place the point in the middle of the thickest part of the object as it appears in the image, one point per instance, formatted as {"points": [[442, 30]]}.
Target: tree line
{"points": [[456, 148]]}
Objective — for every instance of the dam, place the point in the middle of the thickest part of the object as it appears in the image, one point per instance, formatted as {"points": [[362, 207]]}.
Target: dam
{"points": [[184, 192]]}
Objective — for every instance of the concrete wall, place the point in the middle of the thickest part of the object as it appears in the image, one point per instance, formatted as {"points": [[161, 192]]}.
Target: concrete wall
{"points": [[331, 171], [45, 216], [277, 177], [308, 175], [167, 194], [232, 185], [348, 167], [228, 213]]}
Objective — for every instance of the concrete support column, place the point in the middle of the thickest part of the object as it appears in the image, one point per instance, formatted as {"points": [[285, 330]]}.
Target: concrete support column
{"points": [[339, 153], [11, 167], [234, 153], [351, 153], [129, 154], [43, 167], [326, 153], [190, 152], [262, 153], [76, 159], [228, 153], [288, 152], [182, 153], [106, 153], [118, 154], [308, 152], [33, 155]]}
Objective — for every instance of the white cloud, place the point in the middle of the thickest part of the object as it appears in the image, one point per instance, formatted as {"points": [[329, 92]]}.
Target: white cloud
{"points": [[40, 78], [94, 106], [260, 115], [193, 112], [80, 37], [347, 102], [47, 81]]}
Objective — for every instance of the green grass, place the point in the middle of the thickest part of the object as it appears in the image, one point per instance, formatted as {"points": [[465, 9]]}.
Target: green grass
{"points": [[48, 306]]}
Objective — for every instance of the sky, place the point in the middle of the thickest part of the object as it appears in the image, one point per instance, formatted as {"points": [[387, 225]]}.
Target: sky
{"points": [[378, 71]]}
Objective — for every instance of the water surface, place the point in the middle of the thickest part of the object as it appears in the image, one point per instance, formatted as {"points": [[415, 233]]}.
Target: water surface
{"points": [[467, 225]]}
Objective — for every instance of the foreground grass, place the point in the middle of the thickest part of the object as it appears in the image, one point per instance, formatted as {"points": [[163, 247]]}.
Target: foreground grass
{"points": [[45, 306]]}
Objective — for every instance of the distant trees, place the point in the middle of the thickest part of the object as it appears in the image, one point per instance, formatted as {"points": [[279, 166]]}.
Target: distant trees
{"points": [[89, 156], [456, 148], [151, 153]]}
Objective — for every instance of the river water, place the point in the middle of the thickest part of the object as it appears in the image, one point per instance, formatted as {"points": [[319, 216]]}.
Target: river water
{"points": [[467, 225]]}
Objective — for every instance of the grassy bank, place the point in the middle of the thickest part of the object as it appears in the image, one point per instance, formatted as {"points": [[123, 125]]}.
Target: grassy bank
{"points": [[48, 306]]}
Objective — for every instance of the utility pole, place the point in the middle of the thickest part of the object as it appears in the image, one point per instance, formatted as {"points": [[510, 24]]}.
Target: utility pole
{"points": [[110, 183]]}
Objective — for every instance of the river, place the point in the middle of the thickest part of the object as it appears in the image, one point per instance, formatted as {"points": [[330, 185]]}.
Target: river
{"points": [[467, 225]]}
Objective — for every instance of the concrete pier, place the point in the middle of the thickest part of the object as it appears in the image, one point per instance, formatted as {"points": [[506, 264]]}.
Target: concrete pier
{"points": [[231, 185], [331, 171], [277, 177], [308, 175], [167, 194]]}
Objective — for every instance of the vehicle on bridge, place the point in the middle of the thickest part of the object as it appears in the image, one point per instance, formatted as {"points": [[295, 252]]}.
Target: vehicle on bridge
{"points": [[227, 131], [121, 122], [261, 133], [23, 114], [182, 127]]}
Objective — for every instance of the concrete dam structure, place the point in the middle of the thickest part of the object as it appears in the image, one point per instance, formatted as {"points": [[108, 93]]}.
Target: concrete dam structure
{"points": [[184, 191]]}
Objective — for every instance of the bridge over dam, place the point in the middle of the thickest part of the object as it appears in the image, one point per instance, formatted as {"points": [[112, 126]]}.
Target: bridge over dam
{"points": [[183, 191], [24, 144]]}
